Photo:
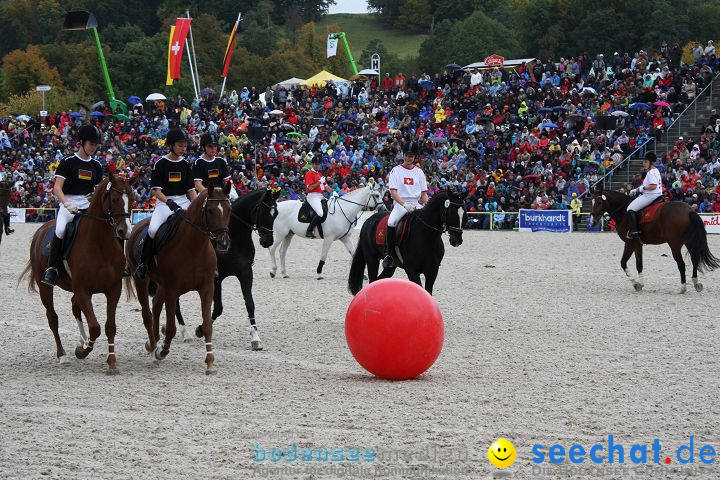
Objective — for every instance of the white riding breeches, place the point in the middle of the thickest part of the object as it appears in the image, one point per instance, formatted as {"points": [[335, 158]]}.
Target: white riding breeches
{"points": [[315, 200], [397, 213], [641, 202], [64, 216], [162, 212]]}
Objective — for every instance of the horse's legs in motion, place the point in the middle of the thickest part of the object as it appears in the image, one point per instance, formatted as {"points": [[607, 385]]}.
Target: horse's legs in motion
{"points": [[430, 278], [77, 313], [327, 242], [206, 296], [246, 283], [46, 295], [84, 301], [157, 307], [372, 263], [639, 266], [171, 301], [110, 327], [347, 241], [627, 253], [217, 309], [283, 251], [141, 290], [414, 277], [676, 248], [696, 283], [278, 239]]}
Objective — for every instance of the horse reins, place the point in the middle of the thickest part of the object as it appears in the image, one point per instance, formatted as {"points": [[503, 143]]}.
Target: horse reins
{"points": [[212, 234], [253, 224], [445, 226], [351, 222]]}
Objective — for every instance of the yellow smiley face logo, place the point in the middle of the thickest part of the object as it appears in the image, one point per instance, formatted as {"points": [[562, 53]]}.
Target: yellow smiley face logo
{"points": [[502, 453]]}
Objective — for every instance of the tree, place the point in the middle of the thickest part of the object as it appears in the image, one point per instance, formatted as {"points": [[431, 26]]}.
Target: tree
{"points": [[416, 16], [25, 69], [389, 10], [29, 22]]}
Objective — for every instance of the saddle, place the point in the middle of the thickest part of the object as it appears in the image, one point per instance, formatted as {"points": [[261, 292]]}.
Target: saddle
{"points": [[306, 212], [400, 232], [164, 234], [67, 243], [648, 214]]}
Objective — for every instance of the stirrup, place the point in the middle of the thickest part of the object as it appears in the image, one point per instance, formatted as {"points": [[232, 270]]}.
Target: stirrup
{"points": [[9, 231], [50, 276]]}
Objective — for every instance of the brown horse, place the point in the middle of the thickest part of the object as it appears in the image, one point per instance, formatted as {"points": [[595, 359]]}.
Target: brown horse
{"points": [[675, 224], [187, 263], [95, 265]]}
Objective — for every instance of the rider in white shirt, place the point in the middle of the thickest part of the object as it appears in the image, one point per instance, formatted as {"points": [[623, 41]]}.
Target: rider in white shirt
{"points": [[408, 188], [646, 194]]}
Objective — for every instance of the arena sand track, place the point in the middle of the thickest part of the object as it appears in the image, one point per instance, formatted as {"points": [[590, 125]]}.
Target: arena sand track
{"points": [[546, 342]]}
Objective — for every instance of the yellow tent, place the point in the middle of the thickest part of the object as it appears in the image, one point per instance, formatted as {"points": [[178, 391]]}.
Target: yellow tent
{"points": [[321, 79]]}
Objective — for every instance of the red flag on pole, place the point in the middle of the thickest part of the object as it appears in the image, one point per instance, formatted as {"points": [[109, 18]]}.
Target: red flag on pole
{"points": [[177, 45], [229, 51]]}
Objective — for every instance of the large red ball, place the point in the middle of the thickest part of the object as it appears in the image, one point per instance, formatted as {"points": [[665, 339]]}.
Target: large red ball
{"points": [[394, 329]]}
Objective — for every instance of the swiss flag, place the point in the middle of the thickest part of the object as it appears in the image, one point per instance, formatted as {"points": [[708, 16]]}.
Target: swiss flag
{"points": [[408, 181]]}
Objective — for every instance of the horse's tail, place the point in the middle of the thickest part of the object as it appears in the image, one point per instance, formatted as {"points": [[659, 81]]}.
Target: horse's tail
{"points": [[27, 272], [129, 288], [696, 242], [357, 270]]}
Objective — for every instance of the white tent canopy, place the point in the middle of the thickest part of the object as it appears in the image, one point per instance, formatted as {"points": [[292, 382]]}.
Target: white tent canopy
{"points": [[368, 71], [290, 82], [507, 64]]}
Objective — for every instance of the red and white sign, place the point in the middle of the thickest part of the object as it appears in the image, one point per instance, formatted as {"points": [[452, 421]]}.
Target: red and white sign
{"points": [[712, 222], [494, 61]]}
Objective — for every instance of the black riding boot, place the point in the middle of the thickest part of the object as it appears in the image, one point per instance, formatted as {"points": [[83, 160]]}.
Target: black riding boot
{"points": [[6, 220], [145, 258], [313, 223], [51, 273], [633, 231], [389, 260]]}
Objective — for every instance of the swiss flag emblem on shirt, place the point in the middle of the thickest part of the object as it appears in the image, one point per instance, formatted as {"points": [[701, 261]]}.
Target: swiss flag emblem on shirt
{"points": [[408, 181]]}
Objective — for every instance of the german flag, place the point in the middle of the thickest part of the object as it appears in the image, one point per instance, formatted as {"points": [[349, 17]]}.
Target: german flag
{"points": [[174, 177], [214, 173], [85, 174]]}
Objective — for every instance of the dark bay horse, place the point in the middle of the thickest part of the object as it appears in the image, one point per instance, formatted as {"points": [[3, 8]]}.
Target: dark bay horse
{"points": [[254, 211], [675, 224], [423, 248], [186, 263], [95, 265]]}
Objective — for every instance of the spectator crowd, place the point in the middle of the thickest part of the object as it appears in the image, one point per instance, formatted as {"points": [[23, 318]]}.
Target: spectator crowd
{"points": [[534, 136]]}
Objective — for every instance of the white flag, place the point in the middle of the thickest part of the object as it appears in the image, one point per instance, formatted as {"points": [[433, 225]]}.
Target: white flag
{"points": [[331, 46]]}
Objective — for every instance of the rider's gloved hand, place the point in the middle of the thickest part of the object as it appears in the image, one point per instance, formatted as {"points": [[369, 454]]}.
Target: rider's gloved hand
{"points": [[172, 205], [409, 207], [70, 207]]}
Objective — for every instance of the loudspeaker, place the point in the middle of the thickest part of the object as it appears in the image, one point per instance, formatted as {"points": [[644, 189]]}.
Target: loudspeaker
{"points": [[79, 20]]}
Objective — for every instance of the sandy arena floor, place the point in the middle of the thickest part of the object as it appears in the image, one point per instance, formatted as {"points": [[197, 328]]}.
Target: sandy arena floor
{"points": [[546, 342]]}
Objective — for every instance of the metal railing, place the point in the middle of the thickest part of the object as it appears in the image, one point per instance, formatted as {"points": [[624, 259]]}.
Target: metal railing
{"points": [[608, 177]]}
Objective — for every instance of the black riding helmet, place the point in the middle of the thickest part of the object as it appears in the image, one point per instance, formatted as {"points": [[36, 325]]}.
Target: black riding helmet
{"points": [[208, 139], [174, 136], [89, 133]]}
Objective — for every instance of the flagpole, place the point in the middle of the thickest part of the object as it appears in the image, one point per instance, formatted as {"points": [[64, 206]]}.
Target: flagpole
{"points": [[192, 44], [237, 23], [192, 75]]}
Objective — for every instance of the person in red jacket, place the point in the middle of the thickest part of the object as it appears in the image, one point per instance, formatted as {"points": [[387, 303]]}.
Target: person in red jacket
{"points": [[387, 82]]}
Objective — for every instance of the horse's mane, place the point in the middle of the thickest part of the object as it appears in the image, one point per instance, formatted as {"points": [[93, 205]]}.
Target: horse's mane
{"points": [[618, 196], [243, 200], [197, 204]]}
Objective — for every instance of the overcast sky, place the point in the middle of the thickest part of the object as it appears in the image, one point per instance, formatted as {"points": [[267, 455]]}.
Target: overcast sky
{"points": [[349, 6]]}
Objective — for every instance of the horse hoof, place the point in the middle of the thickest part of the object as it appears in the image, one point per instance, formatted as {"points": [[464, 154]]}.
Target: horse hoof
{"points": [[148, 348], [285, 275], [199, 332], [698, 287], [80, 352], [256, 345], [683, 289], [638, 286], [272, 275], [320, 277], [64, 360], [211, 371], [158, 353], [113, 371]]}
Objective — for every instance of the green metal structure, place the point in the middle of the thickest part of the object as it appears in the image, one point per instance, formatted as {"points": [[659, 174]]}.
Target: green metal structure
{"points": [[343, 37]]}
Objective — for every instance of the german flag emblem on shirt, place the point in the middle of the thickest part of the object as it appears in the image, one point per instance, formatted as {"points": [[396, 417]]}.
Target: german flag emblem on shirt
{"points": [[85, 174], [408, 181], [174, 177], [214, 173]]}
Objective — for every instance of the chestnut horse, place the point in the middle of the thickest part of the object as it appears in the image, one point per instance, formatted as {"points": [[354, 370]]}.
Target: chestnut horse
{"points": [[187, 263], [675, 224], [95, 265]]}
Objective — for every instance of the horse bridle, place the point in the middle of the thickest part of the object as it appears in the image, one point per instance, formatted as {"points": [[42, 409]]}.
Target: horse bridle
{"points": [[445, 226], [110, 216], [364, 205], [211, 233], [255, 214]]}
